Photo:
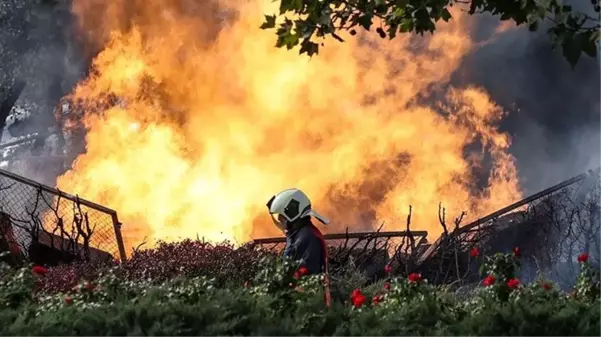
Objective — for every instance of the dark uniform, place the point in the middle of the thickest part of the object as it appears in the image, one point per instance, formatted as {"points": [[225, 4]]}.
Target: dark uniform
{"points": [[305, 242]]}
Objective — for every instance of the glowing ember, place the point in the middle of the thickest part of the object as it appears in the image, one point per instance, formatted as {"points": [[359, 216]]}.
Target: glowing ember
{"points": [[214, 120]]}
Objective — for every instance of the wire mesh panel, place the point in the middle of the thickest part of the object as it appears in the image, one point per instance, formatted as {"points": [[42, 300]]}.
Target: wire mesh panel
{"points": [[550, 228], [38, 222]]}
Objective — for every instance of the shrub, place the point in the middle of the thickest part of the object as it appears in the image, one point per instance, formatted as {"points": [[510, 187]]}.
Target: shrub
{"points": [[63, 278], [281, 300], [16, 287], [224, 262], [190, 258]]}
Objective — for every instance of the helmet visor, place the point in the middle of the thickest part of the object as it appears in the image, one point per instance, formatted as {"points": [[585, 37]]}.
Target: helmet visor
{"points": [[279, 220]]}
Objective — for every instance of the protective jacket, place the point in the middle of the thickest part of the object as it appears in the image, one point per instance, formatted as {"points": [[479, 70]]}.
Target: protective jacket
{"points": [[305, 242]]}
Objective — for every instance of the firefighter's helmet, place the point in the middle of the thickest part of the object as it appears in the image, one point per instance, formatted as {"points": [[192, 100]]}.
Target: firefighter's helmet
{"points": [[290, 205]]}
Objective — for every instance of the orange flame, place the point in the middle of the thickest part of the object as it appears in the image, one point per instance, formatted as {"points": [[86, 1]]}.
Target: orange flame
{"points": [[214, 119]]}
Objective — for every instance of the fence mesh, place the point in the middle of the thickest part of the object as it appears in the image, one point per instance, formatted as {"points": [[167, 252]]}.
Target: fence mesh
{"points": [[550, 228], [38, 222]]}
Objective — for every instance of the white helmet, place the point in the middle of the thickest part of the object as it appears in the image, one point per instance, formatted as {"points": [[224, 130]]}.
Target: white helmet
{"points": [[291, 204]]}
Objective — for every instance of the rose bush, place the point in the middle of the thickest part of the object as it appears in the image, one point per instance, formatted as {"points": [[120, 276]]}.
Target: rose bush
{"points": [[190, 258], [279, 298]]}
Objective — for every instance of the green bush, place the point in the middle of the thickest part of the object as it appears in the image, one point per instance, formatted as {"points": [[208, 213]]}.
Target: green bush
{"points": [[281, 300]]}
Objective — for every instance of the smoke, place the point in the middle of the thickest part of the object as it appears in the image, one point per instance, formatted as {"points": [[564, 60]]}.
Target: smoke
{"points": [[554, 117], [38, 46]]}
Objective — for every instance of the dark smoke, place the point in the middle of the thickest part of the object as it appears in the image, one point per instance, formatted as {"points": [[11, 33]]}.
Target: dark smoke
{"points": [[554, 111], [554, 120], [37, 45]]}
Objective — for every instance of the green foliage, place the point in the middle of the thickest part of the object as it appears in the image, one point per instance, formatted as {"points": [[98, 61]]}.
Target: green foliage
{"points": [[347, 279], [587, 285], [280, 300], [15, 286], [575, 32]]}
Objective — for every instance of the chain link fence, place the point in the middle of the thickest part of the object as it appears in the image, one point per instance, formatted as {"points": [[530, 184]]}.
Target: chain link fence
{"points": [[41, 224], [550, 228]]}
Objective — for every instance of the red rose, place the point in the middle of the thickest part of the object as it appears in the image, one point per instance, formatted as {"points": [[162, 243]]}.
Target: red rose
{"points": [[377, 299], [388, 269], [302, 271], [68, 300], [513, 283], [516, 252], [357, 298], [414, 277], [489, 280], [546, 286], [475, 252], [39, 270], [582, 258], [387, 285]]}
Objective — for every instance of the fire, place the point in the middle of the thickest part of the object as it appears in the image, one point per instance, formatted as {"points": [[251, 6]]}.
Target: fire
{"points": [[212, 120]]}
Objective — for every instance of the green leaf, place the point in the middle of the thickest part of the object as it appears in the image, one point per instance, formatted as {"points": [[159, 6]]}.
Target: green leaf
{"points": [[446, 15], [291, 41], [406, 25], [423, 21], [285, 35], [269, 22], [399, 12], [304, 29], [285, 6], [308, 47], [571, 50], [290, 5], [587, 43], [381, 7], [572, 22], [533, 26], [365, 21]]}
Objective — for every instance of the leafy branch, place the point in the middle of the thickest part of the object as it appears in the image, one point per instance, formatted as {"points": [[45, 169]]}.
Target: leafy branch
{"points": [[308, 22]]}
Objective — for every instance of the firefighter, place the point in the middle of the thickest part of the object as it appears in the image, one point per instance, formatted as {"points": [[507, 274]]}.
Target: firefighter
{"points": [[291, 211]]}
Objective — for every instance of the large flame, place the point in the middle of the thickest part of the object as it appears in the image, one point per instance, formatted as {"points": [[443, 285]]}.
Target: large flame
{"points": [[214, 120]]}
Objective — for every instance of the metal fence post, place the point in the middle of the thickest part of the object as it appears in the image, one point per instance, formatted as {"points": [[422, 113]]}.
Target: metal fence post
{"points": [[119, 237]]}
